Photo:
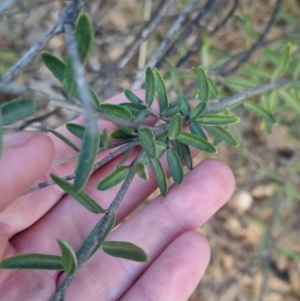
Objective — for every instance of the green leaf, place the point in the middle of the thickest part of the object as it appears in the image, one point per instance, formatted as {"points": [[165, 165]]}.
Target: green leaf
{"points": [[146, 139], [160, 175], [132, 97], [142, 171], [105, 139], [174, 76], [282, 63], [133, 108], [117, 111], [125, 250], [196, 142], [186, 155], [222, 134], [64, 139], [203, 83], [32, 261], [69, 258], [125, 157], [115, 178], [84, 35], [161, 90], [94, 231], [16, 110], [175, 166], [175, 127], [150, 86], [119, 134], [140, 116], [238, 83], [82, 197], [172, 110], [259, 111], [185, 104], [54, 64], [160, 149], [262, 73], [212, 89], [76, 129], [197, 130], [216, 119], [87, 157], [95, 98], [68, 80], [290, 99], [199, 109]]}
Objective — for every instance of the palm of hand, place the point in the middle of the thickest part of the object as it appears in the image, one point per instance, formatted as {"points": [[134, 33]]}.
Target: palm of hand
{"points": [[165, 228]]}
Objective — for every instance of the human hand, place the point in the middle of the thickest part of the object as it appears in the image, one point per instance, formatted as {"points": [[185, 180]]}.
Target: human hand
{"points": [[165, 228]]}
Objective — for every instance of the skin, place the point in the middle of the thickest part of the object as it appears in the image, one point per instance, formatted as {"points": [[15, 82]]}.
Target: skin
{"points": [[165, 228]]}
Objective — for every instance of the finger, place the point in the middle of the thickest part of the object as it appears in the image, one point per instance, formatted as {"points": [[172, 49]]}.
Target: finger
{"points": [[175, 273], [26, 156], [21, 217], [185, 208]]}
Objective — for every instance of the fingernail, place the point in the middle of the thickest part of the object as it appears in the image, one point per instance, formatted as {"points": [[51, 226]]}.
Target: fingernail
{"points": [[18, 139]]}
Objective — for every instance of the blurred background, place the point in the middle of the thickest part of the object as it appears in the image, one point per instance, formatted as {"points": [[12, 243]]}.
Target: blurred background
{"points": [[255, 237]]}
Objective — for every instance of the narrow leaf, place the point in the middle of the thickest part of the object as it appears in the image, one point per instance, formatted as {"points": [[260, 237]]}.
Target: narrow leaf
{"points": [[175, 127], [64, 139], [199, 109], [259, 111], [160, 175], [146, 139], [175, 166], [82, 197], [174, 76], [91, 235], [282, 63], [172, 110], [125, 250], [33, 261], [119, 134], [141, 170], [161, 90], [222, 134], [69, 258], [203, 83], [216, 119], [212, 89], [150, 86], [54, 64], [16, 110], [84, 35], [117, 111], [132, 97], [186, 155], [115, 178], [185, 104], [105, 139], [76, 129], [291, 100], [125, 157], [197, 130], [160, 149], [140, 116], [95, 98], [87, 157], [196, 142], [133, 108]]}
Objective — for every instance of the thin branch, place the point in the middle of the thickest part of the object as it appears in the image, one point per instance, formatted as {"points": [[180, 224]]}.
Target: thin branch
{"points": [[243, 96], [99, 235], [259, 41], [166, 41], [6, 5], [38, 46]]}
